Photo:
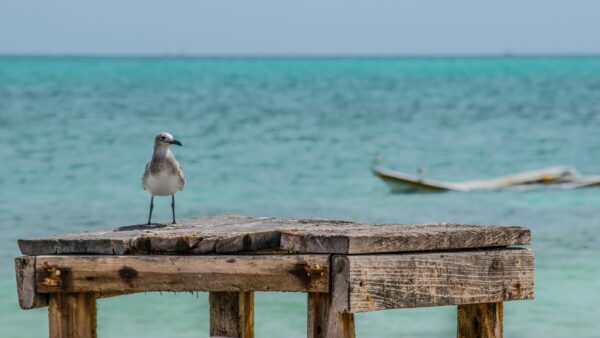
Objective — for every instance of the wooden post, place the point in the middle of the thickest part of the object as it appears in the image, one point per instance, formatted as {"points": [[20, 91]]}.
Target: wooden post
{"points": [[480, 320], [231, 314], [72, 315], [324, 322]]}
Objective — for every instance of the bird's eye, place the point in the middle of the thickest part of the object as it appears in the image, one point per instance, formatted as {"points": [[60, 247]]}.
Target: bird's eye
{"points": [[162, 138]]}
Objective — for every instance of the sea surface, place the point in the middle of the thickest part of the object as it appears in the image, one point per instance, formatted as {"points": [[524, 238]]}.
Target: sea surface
{"points": [[296, 138]]}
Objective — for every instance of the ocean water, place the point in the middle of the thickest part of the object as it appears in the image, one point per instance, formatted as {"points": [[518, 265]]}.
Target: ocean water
{"points": [[295, 138]]}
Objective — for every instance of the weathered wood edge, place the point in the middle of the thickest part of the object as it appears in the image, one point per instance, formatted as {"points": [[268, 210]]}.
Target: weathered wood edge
{"points": [[482, 237], [52, 246], [27, 293], [305, 243], [147, 273], [26, 289], [402, 286], [261, 240], [247, 234]]}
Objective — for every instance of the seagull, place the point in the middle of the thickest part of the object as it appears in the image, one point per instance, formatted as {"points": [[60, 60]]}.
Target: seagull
{"points": [[163, 175]]}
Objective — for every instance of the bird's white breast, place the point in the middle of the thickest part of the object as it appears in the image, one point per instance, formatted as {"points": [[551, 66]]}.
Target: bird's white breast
{"points": [[163, 184]]}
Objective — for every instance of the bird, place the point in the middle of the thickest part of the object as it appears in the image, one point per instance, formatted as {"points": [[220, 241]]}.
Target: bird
{"points": [[163, 175]]}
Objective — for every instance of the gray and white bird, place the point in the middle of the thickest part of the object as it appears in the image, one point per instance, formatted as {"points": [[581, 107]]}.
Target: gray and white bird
{"points": [[163, 175]]}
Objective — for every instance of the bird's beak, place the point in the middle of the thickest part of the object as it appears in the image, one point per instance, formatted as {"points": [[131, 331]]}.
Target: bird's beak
{"points": [[175, 142]]}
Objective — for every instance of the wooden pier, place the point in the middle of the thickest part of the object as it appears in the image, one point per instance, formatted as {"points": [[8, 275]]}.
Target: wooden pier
{"points": [[344, 267]]}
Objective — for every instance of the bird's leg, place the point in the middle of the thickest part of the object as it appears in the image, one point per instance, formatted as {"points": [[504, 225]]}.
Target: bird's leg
{"points": [[151, 207], [173, 207]]}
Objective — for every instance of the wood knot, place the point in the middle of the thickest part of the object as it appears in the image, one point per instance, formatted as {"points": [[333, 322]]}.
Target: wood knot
{"points": [[128, 275]]}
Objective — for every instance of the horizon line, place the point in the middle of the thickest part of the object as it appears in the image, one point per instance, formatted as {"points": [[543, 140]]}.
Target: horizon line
{"points": [[299, 56]]}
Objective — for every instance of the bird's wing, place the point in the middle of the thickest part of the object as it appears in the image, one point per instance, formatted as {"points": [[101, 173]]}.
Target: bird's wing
{"points": [[146, 174], [181, 175], [176, 168]]}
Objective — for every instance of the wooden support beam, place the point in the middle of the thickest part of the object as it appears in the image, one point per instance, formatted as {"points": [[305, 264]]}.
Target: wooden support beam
{"points": [[72, 315], [231, 314], [324, 322], [127, 274], [378, 282], [480, 320], [29, 298]]}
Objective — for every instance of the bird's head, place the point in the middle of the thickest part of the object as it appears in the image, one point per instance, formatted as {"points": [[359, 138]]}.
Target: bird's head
{"points": [[165, 139]]}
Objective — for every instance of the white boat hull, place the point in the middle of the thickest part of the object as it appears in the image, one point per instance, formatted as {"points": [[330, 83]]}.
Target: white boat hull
{"points": [[563, 177]]}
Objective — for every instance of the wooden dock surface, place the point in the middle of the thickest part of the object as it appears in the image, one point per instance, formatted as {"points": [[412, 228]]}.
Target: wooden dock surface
{"points": [[344, 267], [234, 234]]}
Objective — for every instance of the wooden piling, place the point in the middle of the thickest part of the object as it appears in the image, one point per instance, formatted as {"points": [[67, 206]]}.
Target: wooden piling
{"points": [[72, 315], [480, 320], [231, 314], [324, 322]]}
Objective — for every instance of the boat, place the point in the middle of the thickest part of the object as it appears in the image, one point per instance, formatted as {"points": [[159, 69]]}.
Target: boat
{"points": [[564, 177]]}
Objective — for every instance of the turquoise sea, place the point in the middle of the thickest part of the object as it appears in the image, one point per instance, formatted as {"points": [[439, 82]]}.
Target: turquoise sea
{"points": [[294, 138]]}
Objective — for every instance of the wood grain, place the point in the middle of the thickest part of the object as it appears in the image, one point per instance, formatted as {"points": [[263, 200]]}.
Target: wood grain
{"points": [[378, 282], [232, 234], [324, 322], [29, 298], [231, 314], [108, 274], [27, 293], [72, 315], [480, 320]]}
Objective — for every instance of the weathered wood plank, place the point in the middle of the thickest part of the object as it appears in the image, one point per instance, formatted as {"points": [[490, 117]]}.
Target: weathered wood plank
{"points": [[231, 314], [26, 290], [480, 320], [182, 273], [28, 296], [231, 234], [387, 238], [302, 241], [436, 237], [324, 322], [72, 315], [378, 282]]}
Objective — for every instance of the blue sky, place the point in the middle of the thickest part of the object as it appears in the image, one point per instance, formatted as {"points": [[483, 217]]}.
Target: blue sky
{"points": [[306, 27]]}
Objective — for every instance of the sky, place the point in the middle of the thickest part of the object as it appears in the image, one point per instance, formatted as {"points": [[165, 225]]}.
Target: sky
{"points": [[305, 27]]}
